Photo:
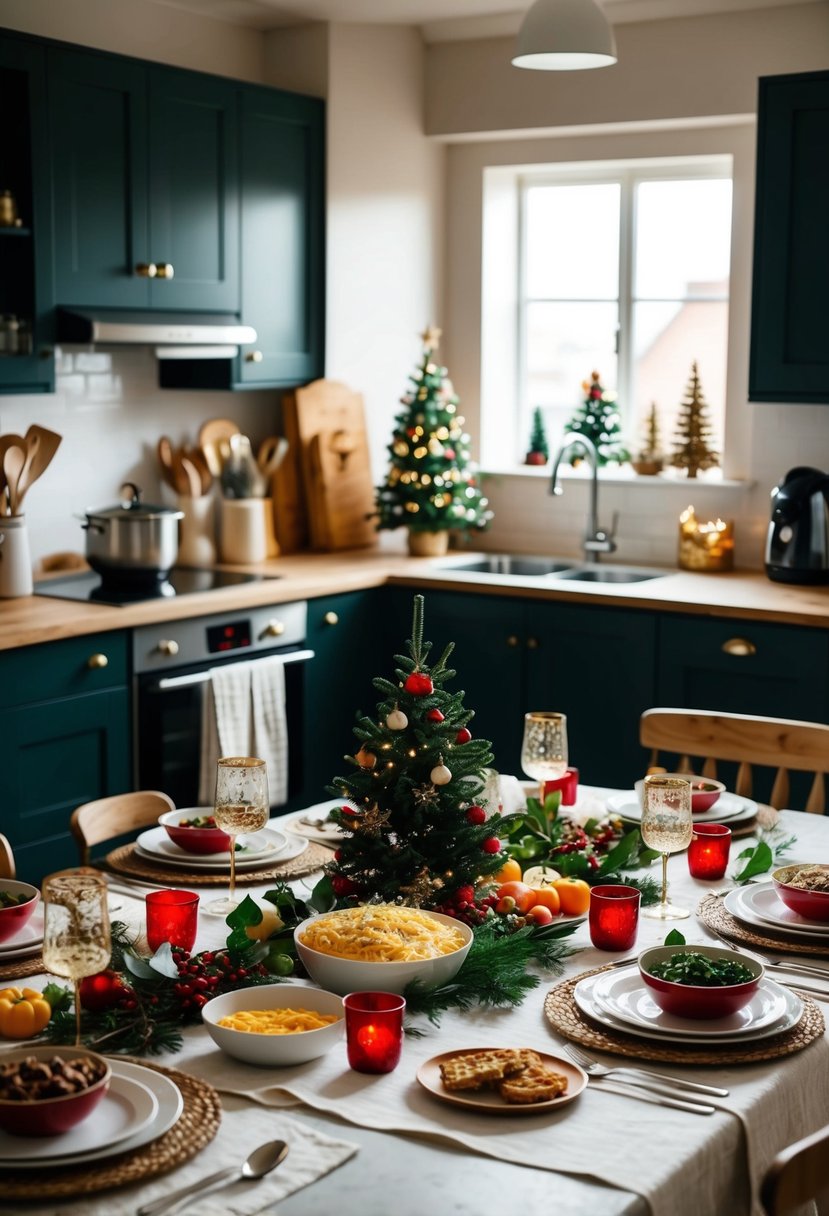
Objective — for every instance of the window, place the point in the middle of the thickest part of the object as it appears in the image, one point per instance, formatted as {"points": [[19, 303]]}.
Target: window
{"points": [[622, 269]]}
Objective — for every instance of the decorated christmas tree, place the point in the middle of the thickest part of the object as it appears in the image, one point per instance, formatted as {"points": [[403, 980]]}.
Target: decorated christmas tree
{"points": [[416, 832], [431, 486], [539, 450], [692, 442], [598, 418]]}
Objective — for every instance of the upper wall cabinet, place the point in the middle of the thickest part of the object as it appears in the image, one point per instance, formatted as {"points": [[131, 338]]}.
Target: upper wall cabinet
{"points": [[790, 306], [145, 173]]}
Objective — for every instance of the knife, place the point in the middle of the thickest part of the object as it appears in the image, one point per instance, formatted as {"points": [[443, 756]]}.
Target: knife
{"points": [[629, 1090]]}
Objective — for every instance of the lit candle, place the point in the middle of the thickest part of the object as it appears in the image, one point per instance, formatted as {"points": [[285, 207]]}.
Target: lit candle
{"points": [[614, 917], [374, 1030], [172, 916], [708, 850], [705, 546]]}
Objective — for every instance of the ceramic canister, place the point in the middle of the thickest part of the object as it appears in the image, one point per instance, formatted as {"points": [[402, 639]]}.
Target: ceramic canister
{"points": [[15, 557]]}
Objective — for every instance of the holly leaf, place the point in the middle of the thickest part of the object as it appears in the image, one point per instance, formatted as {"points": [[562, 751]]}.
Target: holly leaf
{"points": [[247, 913], [322, 898], [620, 854], [139, 967], [59, 998], [760, 861], [162, 962], [674, 938]]}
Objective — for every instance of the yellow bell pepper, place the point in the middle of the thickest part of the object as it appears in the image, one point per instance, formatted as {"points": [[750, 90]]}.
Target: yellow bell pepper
{"points": [[23, 1012]]}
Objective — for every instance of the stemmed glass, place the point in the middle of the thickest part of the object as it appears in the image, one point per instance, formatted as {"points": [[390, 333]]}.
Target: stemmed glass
{"points": [[667, 825], [544, 750], [76, 939], [241, 804]]}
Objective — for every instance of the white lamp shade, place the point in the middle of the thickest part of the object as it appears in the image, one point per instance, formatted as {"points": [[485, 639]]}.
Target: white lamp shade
{"points": [[565, 36]]}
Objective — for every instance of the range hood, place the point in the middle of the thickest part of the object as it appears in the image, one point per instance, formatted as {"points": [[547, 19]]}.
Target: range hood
{"points": [[174, 335]]}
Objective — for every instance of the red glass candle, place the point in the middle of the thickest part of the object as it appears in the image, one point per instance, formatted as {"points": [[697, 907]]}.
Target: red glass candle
{"points": [[172, 916], [708, 850], [613, 917], [374, 1030], [568, 784]]}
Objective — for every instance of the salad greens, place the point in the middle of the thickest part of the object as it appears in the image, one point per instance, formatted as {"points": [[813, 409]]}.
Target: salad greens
{"points": [[689, 967]]}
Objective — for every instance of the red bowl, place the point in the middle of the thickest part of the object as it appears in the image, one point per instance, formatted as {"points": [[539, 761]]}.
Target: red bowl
{"points": [[813, 905], [194, 840], [52, 1116], [696, 1000], [13, 919]]}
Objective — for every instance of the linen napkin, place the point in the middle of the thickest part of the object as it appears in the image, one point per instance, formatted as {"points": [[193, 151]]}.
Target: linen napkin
{"points": [[311, 1155]]}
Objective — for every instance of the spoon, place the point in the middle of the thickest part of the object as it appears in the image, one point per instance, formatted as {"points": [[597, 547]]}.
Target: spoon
{"points": [[260, 1162]]}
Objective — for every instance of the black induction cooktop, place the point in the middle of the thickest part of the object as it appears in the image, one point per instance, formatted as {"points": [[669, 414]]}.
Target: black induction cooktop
{"points": [[182, 580]]}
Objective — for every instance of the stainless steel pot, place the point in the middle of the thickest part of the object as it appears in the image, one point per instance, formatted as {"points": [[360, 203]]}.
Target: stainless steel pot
{"points": [[133, 539]]}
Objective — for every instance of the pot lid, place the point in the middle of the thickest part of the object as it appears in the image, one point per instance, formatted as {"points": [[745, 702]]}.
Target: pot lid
{"points": [[131, 507]]}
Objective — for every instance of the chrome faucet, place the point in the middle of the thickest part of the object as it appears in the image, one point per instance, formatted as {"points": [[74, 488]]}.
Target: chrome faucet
{"points": [[596, 540]]}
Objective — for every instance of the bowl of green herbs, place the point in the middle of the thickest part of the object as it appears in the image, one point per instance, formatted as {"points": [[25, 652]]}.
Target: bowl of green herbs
{"points": [[699, 981]]}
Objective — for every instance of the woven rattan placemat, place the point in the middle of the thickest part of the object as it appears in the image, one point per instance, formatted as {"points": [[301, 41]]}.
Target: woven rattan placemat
{"points": [[713, 914], [125, 860], [198, 1124], [565, 1016], [19, 968]]}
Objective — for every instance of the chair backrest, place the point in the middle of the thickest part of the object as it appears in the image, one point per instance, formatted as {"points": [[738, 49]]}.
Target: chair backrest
{"points": [[7, 866], [797, 1174], [707, 736], [114, 816]]}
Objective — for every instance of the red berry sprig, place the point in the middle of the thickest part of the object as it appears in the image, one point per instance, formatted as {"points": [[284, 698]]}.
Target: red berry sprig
{"points": [[476, 815]]}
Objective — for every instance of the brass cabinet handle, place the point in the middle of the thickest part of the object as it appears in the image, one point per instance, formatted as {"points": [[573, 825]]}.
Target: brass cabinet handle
{"points": [[168, 646], [740, 647], [273, 629], [331, 618], [512, 641], [97, 660], [165, 270], [146, 270], [533, 643], [254, 356]]}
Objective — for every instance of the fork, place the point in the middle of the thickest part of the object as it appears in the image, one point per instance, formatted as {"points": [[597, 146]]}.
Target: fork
{"points": [[658, 1081], [804, 968]]}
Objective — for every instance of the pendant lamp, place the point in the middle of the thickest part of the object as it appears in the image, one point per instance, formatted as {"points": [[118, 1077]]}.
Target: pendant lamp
{"points": [[565, 36]]}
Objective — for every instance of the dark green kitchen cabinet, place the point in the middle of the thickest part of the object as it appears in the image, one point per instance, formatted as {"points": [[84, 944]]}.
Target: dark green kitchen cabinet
{"points": [[26, 355], [146, 197], [64, 740], [790, 310]]}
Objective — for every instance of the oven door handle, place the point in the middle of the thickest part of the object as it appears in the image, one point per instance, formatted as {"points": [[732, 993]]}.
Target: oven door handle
{"points": [[203, 677]]}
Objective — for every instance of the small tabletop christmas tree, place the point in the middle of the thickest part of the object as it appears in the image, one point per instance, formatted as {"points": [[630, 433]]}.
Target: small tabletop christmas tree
{"points": [[430, 486], [649, 459], [692, 450], [598, 418], [417, 833], [539, 452]]}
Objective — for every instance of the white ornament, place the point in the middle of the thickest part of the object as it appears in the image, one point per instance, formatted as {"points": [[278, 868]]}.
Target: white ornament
{"points": [[440, 775], [397, 720]]}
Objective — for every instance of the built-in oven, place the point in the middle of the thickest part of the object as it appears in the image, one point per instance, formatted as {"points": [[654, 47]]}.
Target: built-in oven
{"points": [[172, 663]]}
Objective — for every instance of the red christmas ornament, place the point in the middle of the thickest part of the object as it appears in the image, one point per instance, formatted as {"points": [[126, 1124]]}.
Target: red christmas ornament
{"points": [[449, 453], [491, 845], [476, 815], [102, 991], [465, 894], [419, 685], [434, 715], [348, 810], [365, 758], [338, 853], [341, 885], [463, 735]]}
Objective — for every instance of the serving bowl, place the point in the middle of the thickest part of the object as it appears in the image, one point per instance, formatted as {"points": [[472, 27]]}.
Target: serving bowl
{"points": [[54, 1115], [274, 1049], [699, 1000], [13, 918], [346, 975], [704, 790], [813, 905], [194, 840]]}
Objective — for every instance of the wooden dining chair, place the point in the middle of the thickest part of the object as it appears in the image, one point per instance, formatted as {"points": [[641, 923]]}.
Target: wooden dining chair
{"points": [[7, 866], [798, 1174], [106, 818], [701, 737]]}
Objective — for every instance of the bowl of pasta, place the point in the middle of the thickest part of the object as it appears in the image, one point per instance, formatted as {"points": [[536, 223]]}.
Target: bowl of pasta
{"points": [[381, 947], [275, 1024]]}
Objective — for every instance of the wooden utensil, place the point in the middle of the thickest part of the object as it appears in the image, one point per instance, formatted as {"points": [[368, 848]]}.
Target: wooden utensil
{"points": [[214, 441], [14, 458], [272, 452], [41, 445], [165, 459], [191, 474], [196, 457]]}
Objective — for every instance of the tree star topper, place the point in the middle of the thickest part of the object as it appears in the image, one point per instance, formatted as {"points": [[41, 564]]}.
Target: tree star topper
{"points": [[431, 337]]}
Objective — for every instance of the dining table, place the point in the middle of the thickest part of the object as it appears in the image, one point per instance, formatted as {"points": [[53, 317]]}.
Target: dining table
{"points": [[372, 1145]]}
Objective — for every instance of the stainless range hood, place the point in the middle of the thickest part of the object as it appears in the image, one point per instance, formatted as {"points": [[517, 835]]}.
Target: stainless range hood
{"points": [[174, 335]]}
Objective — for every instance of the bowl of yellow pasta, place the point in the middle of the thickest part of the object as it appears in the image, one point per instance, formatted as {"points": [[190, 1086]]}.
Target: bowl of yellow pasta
{"points": [[381, 947], [275, 1024]]}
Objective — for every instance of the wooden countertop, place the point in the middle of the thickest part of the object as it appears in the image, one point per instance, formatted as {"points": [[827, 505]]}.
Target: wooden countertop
{"points": [[745, 595]]}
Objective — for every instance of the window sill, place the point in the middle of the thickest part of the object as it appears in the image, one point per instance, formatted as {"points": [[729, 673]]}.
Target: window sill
{"points": [[620, 475]]}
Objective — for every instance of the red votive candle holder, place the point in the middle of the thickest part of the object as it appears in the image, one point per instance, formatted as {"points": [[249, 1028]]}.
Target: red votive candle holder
{"points": [[374, 1030], [172, 916], [708, 850], [613, 917], [568, 784]]}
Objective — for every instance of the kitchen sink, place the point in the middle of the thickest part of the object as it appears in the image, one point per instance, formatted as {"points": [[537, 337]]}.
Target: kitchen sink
{"points": [[606, 574], [507, 565], [525, 566]]}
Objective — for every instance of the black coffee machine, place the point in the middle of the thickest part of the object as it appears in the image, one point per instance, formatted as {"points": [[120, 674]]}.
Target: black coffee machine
{"points": [[797, 548]]}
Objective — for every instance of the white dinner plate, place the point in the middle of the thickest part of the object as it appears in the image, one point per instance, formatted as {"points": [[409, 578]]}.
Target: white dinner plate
{"points": [[583, 996], [625, 996], [26, 940], [125, 1110], [260, 847], [295, 846], [729, 808], [760, 906]]}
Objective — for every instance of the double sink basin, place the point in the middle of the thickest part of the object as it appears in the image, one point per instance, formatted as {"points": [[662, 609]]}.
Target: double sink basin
{"points": [[550, 567]]}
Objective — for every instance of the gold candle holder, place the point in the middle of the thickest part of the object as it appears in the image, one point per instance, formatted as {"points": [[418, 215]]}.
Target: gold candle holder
{"points": [[705, 546]]}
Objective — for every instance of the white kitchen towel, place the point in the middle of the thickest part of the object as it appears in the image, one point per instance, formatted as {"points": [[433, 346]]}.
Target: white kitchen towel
{"points": [[243, 714], [269, 732]]}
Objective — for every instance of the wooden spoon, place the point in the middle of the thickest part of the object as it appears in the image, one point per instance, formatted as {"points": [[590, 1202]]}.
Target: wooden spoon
{"points": [[192, 475], [214, 441], [165, 459], [14, 459], [196, 457], [41, 446]]}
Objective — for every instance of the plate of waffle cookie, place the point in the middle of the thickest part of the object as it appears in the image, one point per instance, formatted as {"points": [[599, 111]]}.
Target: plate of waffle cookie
{"points": [[502, 1080]]}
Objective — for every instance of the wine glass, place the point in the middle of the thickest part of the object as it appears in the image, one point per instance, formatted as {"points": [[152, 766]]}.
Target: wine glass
{"points": [[241, 804], [667, 825], [76, 940], [544, 750]]}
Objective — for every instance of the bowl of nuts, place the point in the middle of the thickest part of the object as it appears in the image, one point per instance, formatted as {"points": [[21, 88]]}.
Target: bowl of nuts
{"points": [[45, 1091]]}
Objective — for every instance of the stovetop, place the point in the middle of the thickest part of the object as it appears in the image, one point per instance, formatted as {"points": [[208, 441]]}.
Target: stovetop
{"points": [[183, 580]]}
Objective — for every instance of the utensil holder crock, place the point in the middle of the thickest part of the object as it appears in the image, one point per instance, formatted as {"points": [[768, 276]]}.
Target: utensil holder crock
{"points": [[15, 557], [197, 531]]}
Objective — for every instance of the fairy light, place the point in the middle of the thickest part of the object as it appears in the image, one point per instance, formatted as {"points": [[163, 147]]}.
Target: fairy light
{"points": [[425, 480], [412, 506], [411, 753], [420, 452]]}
